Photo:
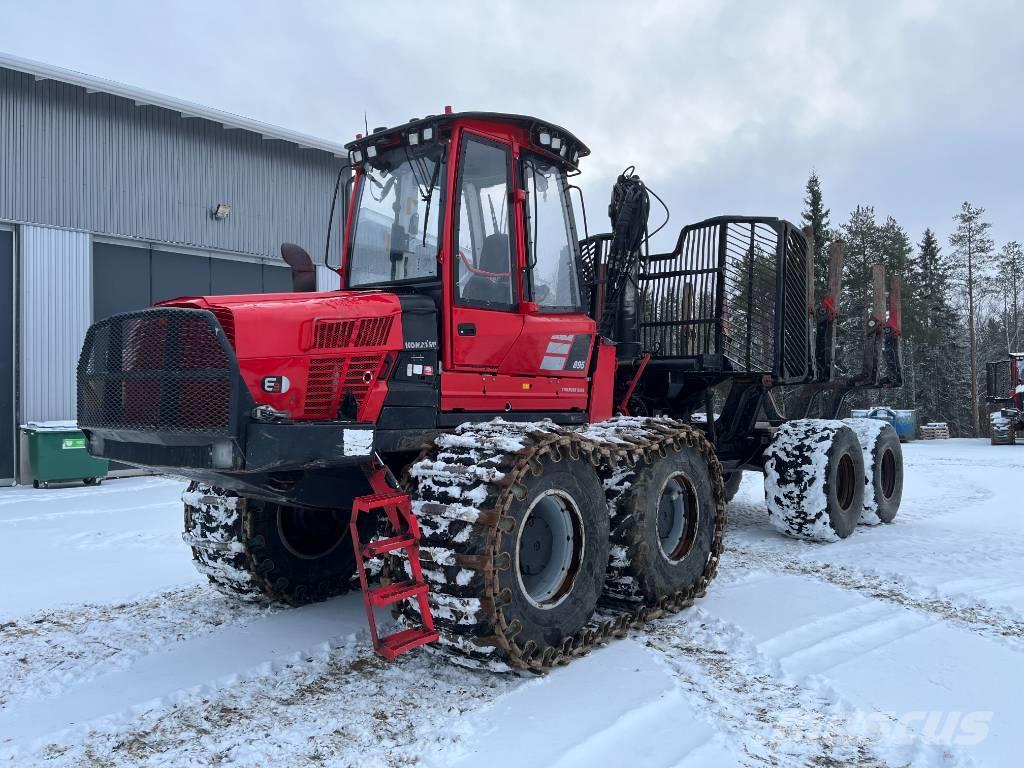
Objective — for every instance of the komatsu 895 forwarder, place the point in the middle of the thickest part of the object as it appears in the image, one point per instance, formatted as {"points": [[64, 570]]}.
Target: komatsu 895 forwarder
{"points": [[521, 440]]}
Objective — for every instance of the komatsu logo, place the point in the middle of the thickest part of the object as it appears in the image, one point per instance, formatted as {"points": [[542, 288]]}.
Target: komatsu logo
{"points": [[421, 345]]}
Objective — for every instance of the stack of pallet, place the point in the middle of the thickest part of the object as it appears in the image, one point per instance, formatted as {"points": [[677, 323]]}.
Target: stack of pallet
{"points": [[936, 430]]}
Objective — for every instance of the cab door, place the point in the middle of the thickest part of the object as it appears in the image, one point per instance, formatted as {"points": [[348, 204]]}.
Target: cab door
{"points": [[557, 336], [485, 310]]}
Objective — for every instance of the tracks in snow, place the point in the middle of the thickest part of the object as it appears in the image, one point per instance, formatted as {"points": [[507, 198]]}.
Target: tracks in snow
{"points": [[50, 652], [979, 618], [773, 718]]}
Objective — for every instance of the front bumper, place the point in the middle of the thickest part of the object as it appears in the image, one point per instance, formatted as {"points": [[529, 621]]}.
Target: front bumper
{"points": [[161, 389], [264, 448]]}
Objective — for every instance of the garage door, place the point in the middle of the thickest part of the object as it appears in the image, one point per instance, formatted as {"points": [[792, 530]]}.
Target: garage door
{"points": [[7, 431], [127, 278]]}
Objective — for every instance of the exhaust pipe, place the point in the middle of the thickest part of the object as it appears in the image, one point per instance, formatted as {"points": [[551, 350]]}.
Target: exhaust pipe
{"points": [[303, 271]]}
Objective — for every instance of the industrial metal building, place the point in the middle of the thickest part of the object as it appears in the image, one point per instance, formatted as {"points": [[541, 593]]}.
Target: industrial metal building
{"points": [[112, 198]]}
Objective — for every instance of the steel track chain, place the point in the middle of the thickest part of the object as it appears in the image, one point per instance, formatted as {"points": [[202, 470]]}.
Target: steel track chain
{"points": [[473, 474]]}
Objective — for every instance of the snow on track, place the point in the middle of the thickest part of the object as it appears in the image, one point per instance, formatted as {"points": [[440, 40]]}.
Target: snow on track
{"points": [[901, 645]]}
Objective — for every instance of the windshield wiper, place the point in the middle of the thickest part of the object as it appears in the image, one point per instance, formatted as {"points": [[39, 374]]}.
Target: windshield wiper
{"points": [[430, 193]]}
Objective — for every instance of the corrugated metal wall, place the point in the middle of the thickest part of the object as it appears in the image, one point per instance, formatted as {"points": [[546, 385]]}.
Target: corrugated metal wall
{"points": [[56, 306], [326, 278], [99, 163]]}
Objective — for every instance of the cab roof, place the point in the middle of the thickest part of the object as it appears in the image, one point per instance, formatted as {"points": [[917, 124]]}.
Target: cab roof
{"points": [[545, 137]]}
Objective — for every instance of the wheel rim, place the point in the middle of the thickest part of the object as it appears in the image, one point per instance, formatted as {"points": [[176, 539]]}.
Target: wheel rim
{"points": [[310, 534], [845, 477], [549, 549], [678, 517]]}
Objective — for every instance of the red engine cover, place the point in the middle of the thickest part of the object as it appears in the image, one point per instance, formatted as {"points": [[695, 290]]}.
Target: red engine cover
{"points": [[305, 352]]}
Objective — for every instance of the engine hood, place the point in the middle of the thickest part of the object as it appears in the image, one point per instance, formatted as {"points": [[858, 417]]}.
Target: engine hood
{"points": [[280, 324]]}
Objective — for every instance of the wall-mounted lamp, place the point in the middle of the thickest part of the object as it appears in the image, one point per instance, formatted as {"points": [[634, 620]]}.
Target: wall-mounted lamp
{"points": [[221, 211]]}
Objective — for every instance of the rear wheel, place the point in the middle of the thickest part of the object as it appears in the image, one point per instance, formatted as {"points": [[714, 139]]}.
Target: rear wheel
{"points": [[814, 480], [259, 549], [665, 528], [883, 469]]}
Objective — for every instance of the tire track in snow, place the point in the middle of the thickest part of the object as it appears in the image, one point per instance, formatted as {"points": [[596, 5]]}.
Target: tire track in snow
{"points": [[338, 704], [53, 651], [775, 719], [891, 588]]}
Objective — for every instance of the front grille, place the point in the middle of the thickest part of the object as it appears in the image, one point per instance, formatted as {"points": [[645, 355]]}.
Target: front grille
{"points": [[331, 378], [226, 318], [340, 334], [162, 369]]}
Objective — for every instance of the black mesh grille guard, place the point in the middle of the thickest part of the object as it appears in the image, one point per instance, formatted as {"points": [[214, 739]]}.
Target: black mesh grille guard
{"points": [[163, 372]]}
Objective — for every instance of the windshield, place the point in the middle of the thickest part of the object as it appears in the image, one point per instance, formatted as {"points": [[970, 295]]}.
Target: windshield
{"points": [[397, 230]]}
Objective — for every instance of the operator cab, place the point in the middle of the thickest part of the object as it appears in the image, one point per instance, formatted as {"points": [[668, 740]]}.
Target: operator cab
{"points": [[473, 210]]}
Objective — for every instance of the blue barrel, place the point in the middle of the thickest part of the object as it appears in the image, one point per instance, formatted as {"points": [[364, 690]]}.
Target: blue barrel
{"points": [[906, 425], [882, 413], [858, 413]]}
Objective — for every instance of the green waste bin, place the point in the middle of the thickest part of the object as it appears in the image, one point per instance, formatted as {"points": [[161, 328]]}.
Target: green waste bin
{"points": [[57, 454]]}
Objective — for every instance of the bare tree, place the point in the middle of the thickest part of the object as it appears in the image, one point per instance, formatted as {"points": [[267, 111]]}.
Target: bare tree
{"points": [[972, 252]]}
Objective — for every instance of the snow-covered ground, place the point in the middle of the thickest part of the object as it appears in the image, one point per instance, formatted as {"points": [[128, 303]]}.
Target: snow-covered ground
{"points": [[902, 645]]}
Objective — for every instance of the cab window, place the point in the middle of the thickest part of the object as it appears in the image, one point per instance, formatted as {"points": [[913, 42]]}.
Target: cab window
{"points": [[484, 249]]}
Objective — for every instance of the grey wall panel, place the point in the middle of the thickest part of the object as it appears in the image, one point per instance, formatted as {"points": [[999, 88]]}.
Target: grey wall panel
{"points": [[179, 274], [120, 279], [277, 279], [56, 306], [229, 276], [8, 431], [100, 163]]}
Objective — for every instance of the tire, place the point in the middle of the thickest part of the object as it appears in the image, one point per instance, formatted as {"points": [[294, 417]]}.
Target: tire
{"points": [[732, 482], [89, 481], [665, 527], [257, 549], [883, 469], [35, 484], [814, 480], [558, 550]]}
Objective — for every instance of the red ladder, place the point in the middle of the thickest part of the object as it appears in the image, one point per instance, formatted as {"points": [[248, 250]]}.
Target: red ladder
{"points": [[398, 508]]}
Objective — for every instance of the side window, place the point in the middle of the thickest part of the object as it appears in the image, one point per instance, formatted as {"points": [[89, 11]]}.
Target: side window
{"points": [[551, 247], [484, 253]]}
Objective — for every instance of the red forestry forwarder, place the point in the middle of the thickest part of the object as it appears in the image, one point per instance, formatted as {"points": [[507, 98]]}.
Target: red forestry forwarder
{"points": [[522, 441], [1005, 396]]}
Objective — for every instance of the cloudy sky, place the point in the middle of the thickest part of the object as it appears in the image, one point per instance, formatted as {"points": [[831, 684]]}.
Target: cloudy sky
{"points": [[723, 107]]}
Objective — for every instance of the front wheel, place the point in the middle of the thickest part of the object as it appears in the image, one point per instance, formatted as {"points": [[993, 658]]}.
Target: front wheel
{"points": [[558, 550], [257, 549]]}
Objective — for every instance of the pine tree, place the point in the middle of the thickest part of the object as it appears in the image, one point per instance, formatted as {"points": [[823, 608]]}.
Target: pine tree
{"points": [[972, 253], [862, 242], [815, 216], [931, 329], [1010, 276]]}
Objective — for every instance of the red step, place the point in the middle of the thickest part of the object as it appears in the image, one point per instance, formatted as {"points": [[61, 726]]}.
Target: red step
{"points": [[383, 546], [394, 645], [405, 533], [392, 593], [378, 500]]}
